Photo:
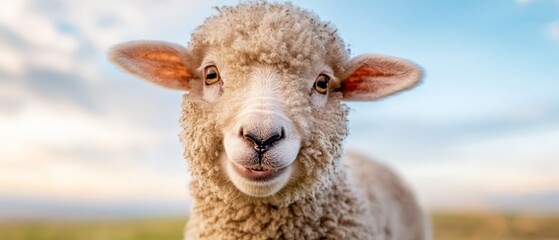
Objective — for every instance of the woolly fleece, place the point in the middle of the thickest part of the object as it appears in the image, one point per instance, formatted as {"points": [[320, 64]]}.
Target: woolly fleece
{"points": [[321, 202]]}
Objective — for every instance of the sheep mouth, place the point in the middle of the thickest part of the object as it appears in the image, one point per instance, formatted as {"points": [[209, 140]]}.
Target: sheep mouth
{"points": [[258, 173]]}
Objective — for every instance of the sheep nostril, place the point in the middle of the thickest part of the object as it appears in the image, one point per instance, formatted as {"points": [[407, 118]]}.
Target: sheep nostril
{"points": [[253, 138], [273, 138], [263, 144]]}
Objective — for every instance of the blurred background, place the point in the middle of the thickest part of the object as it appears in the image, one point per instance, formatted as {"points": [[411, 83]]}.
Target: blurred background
{"points": [[478, 140]]}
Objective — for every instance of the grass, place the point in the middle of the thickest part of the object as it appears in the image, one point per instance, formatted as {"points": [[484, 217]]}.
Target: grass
{"points": [[146, 229], [481, 226], [447, 226]]}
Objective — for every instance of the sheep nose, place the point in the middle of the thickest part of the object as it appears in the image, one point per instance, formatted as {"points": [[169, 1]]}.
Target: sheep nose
{"points": [[263, 142]]}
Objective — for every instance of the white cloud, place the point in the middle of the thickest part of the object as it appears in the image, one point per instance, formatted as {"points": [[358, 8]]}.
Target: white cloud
{"points": [[524, 2], [55, 149], [553, 30], [11, 60], [471, 173], [50, 151], [39, 42], [36, 29], [109, 22], [64, 152]]}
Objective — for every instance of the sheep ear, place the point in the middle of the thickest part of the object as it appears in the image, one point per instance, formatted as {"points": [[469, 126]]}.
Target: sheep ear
{"points": [[369, 77], [165, 64]]}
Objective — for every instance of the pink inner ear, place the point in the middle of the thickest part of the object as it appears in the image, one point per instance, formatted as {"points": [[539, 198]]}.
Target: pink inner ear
{"points": [[162, 64], [357, 81], [172, 72], [165, 64]]}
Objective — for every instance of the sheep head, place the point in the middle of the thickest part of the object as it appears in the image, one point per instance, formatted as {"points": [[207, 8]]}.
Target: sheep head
{"points": [[263, 116]]}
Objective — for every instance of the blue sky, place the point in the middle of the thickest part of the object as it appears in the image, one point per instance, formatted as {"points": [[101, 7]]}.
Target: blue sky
{"points": [[481, 131]]}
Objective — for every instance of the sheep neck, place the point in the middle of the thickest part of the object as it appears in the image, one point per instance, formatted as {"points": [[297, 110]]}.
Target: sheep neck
{"points": [[322, 212]]}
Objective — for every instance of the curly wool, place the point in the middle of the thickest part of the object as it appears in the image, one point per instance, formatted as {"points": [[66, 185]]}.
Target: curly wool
{"points": [[320, 202], [276, 34], [202, 121]]}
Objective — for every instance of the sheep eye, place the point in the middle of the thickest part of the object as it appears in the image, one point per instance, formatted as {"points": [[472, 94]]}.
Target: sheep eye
{"points": [[212, 75], [321, 83]]}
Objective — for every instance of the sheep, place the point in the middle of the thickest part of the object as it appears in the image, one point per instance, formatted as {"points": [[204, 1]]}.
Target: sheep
{"points": [[264, 123]]}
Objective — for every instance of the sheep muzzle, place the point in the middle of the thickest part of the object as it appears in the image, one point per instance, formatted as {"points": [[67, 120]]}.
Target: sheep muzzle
{"points": [[261, 143]]}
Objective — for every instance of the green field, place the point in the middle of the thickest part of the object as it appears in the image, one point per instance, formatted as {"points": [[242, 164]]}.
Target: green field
{"points": [[451, 226], [148, 229], [478, 226]]}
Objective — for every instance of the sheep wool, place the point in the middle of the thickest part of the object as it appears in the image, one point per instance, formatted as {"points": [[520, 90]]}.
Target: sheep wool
{"points": [[322, 203], [263, 126]]}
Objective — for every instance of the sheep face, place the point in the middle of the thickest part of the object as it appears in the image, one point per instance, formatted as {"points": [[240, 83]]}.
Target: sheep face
{"points": [[263, 117]]}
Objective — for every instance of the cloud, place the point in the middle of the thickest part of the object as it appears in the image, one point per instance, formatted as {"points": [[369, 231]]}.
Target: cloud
{"points": [[524, 2], [43, 43], [553, 30], [66, 152], [474, 173], [11, 60], [60, 86], [71, 127]]}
